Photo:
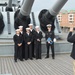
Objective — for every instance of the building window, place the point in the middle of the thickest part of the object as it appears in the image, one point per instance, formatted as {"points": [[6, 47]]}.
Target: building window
{"points": [[59, 17], [70, 22], [71, 15], [71, 18]]}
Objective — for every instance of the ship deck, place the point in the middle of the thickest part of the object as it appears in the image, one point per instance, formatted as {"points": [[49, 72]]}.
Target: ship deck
{"points": [[61, 65]]}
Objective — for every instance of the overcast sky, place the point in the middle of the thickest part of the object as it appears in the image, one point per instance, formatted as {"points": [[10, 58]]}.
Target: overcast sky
{"points": [[46, 4]]}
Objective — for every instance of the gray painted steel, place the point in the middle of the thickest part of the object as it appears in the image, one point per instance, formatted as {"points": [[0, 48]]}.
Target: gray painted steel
{"points": [[9, 3], [26, 7], [61, 65], [5, 32], [57, 7], [7, 49]]}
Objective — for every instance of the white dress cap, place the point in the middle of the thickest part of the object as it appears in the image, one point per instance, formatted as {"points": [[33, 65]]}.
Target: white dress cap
{"points": [[49, 25], [17, 30], [20, 26], [36, 26], [30, 24], [27, 28]]}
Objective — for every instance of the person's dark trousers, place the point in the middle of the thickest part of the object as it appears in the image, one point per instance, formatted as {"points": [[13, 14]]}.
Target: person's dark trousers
{"points": [[52, 49], [38, 50], [33, 49], [20, 53], [28, 51], [15, 52], [23, 50]]}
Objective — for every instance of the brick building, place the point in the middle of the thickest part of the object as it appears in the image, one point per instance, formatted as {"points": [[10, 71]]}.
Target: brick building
{"points": [[66, 18]]}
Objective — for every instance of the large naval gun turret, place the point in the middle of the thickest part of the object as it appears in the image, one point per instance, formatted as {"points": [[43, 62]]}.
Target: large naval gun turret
{"points": [[45, 17], [22, 16], [49, 16]]}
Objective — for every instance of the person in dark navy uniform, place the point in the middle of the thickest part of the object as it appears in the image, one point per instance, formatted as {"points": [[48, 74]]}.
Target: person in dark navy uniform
{"points": [[18, 46], [37, 41], [28, 38], [49, 35], [23, 44], [32, 31], [71, 39]]}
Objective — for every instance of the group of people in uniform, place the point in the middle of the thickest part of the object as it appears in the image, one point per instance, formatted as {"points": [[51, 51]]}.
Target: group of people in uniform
{"points": [[27, 44]]}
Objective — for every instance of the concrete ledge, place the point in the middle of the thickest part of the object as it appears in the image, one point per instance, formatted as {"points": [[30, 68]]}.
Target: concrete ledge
{"points": [[8, 49]]}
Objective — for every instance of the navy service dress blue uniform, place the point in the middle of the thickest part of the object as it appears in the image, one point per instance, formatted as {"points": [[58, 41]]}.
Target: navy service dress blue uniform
{"points": [[71, 39], [23, 44], [50, 34], [32, 31], [28, 38], [18, 48], [37, 42]]}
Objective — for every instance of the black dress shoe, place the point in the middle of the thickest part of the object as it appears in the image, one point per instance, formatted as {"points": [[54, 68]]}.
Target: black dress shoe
{"points": [[36, 58], [53, 57], [21, 60], [26, 59], [31, 58], [15, 60], [40, 58], [46, 57]]}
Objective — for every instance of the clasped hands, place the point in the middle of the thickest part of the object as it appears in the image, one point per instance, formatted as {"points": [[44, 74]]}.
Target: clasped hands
{"points": [[38, 40], [28, 43], [19, 44]]}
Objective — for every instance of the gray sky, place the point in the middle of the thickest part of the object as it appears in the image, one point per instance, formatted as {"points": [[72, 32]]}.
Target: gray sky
{"points": [[47, 4]]}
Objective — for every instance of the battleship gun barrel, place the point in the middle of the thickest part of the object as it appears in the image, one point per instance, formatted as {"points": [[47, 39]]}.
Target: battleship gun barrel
{"points": [[23, 15], [10, 3], [26, 7], [48, 16], [9, 6]]}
